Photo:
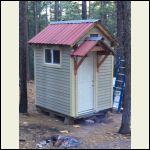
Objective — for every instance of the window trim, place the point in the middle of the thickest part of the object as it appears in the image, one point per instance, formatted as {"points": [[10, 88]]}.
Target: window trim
{"points": [[52, 64], [94, 34]]}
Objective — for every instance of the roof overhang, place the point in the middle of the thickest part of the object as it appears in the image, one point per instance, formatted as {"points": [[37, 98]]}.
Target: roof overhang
{"points": [[69, 32], [92, 44]]}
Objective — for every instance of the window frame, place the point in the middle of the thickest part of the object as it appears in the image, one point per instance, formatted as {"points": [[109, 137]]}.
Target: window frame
{"points": [[94, 34], [52, 64]]}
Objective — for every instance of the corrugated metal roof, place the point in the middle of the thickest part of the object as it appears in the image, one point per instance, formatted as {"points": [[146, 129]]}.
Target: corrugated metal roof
{"points": [[66, 34], [84, 48]]}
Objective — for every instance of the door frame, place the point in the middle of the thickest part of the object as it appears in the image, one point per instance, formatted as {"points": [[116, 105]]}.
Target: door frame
{"points": [[94, 88]]}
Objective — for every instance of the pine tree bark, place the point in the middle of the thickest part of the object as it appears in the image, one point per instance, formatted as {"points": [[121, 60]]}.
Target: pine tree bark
{"points": [[104, 16], [46, 17], [39, 15], [34, 16], [89, 9], [120, 27], [126, 116], [28, 67], [60, 10], [23, 55], [56, 10], [50, 10], [84, 10]]}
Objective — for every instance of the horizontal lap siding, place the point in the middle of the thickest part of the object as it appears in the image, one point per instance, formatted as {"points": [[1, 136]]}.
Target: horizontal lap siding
{"points": [[53, 84], [104, 82]]}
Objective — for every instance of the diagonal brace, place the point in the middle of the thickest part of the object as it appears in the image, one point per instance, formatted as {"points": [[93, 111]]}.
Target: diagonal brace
{"points": [[100, 62], [77, 64]]}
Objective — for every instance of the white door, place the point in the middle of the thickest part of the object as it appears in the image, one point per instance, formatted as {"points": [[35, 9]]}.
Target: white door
{"points": [[85, 88]]}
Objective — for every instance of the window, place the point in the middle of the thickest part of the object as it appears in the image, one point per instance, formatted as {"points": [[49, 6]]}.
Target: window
{"points": [[94, 35], [52, 56], [56, 57], [48, 56]]}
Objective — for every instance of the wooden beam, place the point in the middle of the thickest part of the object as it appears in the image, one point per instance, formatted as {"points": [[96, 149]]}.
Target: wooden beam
{"points": [[106, 33], [106, 47], [104, 53], [100, 62], [77, 64]]}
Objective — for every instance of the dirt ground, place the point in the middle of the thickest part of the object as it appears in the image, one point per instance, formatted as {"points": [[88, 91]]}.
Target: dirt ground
{"points": [[36, 126]]}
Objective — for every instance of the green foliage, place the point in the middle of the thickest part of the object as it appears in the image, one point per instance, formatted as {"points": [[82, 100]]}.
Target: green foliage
{"points": [[71, 10], [30, 19], [98, 11]]}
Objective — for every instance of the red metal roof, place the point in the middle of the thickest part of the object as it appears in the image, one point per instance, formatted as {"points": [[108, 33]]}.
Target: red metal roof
{"points": [[84, 48], [66, 34]]}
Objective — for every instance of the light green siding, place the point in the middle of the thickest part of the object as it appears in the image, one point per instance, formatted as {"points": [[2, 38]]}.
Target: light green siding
{"points": [[104, 84], [53, 83]]}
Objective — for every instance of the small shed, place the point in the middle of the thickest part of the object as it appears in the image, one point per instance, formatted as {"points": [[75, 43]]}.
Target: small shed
{"points": [[73, 62]]}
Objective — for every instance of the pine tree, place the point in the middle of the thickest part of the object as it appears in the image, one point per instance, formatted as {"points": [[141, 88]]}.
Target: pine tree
{"points": [[84, 10], [126, 116], [23, 33], [56, 10]]}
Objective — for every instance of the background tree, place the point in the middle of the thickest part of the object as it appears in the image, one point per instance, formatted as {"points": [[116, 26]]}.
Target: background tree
{"points": [[120, 27], [23, 33], [36, 17], [103, 5], [89, 14], [71, 10], [51, 10], [56, 10], [60, 10], [28, 64], [84, 10], [126, 116], [106, 12], [46, 10]]}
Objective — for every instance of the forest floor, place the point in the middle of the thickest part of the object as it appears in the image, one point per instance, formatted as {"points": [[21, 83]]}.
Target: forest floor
{"points": [[35, 127]]}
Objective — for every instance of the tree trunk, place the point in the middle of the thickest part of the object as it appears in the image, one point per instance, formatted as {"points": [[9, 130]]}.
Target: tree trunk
{"points": [[89, 9], [46, 17], [23, 55], [60, 10], [34, 16], [50, 10], [104, 16], [120, 33], [84, 10], [120, 27], [126, 116], [28, 67], [92, 11], [39, 14], [56, 10]]}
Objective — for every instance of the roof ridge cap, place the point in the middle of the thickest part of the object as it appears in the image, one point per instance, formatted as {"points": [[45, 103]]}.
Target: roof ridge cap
{"points": [[75, 21]]}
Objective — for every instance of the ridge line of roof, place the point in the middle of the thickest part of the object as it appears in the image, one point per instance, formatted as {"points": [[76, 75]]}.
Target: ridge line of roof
{"points": [[75, 21]]}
